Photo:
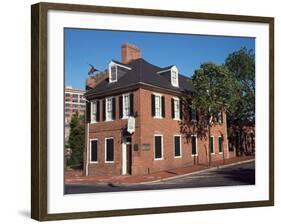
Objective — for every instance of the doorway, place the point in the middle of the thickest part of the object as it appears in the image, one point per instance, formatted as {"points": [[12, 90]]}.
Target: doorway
{"points": [[126, 156]]}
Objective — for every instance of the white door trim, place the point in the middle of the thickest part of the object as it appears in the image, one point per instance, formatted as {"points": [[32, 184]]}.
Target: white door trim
{"points": [[124, 158]]}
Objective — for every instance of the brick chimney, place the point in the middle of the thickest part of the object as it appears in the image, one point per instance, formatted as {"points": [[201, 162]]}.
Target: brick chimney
{"points": [[130, 52]]}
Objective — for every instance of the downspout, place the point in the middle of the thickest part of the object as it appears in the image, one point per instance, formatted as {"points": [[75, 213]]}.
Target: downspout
{"points": [[87, 149], [226, 137]]}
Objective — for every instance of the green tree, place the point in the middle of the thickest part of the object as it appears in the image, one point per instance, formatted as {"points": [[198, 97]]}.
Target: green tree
{"points": [[241, 64], [215, 93], [76, 141]]}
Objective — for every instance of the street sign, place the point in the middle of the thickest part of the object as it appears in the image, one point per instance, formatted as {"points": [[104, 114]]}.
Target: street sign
{"points": [[131, 125]]}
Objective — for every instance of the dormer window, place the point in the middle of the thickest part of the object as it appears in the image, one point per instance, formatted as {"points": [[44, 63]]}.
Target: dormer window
{"points": [[174, 77], [116, 71], [112, 72], [172, 74]]}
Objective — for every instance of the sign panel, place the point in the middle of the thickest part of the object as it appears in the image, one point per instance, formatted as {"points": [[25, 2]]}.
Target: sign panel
{"points": [[131, 125], [145, 147]]}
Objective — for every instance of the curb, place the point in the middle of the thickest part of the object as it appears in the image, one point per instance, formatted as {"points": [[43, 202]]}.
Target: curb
{"points": [[169, 178], [187, 174]]}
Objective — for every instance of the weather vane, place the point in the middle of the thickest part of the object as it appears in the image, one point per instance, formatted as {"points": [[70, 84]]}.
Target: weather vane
{"points": [[92, 70]]}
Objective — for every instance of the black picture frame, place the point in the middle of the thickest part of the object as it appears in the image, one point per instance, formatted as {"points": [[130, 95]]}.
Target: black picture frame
{"points": [[39, 106]]}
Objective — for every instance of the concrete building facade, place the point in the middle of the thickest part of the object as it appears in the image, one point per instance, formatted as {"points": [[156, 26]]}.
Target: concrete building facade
{"points": [[74, 103]]}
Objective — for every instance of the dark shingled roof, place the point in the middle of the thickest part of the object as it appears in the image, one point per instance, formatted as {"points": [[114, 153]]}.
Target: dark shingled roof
{"points": [[142, 72]]}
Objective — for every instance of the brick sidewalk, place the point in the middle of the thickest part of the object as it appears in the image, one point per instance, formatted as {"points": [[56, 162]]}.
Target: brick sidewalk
{"points": [[76, 177]]}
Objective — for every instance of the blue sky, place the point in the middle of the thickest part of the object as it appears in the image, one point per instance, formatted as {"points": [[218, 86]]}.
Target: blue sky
{"points": [[187, 52]]}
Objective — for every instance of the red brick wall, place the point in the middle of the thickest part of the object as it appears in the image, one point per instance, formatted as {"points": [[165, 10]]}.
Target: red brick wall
{"points": [[146, 127], [104, 129], [168, 128]]}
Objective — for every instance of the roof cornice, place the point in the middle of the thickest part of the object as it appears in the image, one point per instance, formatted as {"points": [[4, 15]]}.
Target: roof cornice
{"points": [[121, 90]]}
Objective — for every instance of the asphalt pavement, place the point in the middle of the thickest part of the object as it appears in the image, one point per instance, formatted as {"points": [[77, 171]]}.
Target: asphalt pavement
{"points": [[240, 174]]}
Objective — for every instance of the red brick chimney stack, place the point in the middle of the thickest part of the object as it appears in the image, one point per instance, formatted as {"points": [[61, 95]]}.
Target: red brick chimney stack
{"points": [[130, 52]]}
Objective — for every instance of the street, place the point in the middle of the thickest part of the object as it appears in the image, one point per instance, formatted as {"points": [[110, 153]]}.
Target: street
{"points": [[240, 174]]}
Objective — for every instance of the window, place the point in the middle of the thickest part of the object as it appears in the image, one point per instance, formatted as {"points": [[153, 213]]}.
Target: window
{"points": [[174, 76], [116, 71], [194, 145], [158, 147], [113, 73], [220, 144], [220, 117], [94, 110], [126, 105], [212, 145], [109, 109], [94, 150], [193, 115], [109, 150], [158, 106], [177, 145], [75, 96], [176, 108]]}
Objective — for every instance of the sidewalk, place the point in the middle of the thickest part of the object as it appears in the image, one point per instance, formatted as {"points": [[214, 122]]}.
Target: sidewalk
{"points": [[76, 177]]}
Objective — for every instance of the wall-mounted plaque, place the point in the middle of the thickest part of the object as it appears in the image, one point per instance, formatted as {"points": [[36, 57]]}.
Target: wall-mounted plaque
{"points": [[145, 147]]}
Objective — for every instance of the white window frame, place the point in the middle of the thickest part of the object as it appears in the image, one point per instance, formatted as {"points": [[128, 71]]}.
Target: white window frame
{"points": [[220, 117], [160, 116], [90, 159], [107, 118], [219, 145], [195, 145], [116, 65], [176, 112], [94, 117], [180, 156], [175, 82], [105, 150], [162, 146], [126, 116], [112, 64], [214, 149]]}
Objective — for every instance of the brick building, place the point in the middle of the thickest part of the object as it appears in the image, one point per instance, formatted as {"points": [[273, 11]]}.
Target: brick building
{"points": [[151, 95], [74, 102], [242, 139]]}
